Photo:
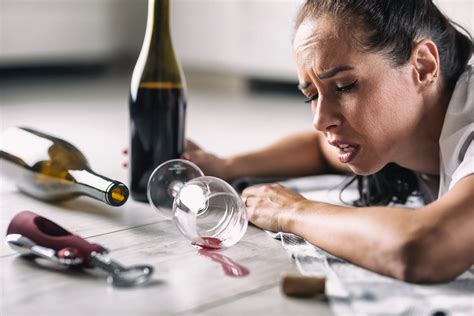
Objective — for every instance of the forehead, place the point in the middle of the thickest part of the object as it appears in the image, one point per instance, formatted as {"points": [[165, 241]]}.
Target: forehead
{"points": [[321, 43]]}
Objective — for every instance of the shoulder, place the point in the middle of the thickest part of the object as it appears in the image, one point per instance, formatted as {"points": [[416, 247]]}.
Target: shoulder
{"points": [[456, 158], [460, 195], [457, 136], [463, 94], [466, 161]]}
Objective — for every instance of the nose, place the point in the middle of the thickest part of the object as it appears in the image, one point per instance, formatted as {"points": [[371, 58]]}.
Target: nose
{"points": [[325, 115]]}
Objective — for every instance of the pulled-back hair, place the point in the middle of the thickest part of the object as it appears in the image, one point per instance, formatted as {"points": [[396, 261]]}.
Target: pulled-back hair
{"points": [[392, 27]]}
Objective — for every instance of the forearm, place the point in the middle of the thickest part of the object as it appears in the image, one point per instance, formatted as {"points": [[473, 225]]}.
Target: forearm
{"points": [[434, 243], [412, 245], [295, 155], [420, 245], [370, 237]]}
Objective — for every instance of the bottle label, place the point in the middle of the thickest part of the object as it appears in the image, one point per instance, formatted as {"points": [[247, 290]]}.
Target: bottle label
{"points": [[161, 85]]}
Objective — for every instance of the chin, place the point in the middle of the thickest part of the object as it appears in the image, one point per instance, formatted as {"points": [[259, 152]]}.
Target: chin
{"points": [[366, 169]]}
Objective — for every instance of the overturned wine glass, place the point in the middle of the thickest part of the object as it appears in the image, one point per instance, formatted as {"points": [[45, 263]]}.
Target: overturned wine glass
{"points": [[207, 210]]}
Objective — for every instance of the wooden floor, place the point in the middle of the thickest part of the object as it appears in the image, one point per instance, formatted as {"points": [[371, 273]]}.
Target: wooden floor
{"points": [[93, 116], [184, 281]]}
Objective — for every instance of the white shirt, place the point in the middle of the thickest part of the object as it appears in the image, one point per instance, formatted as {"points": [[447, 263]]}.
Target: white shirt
{"points": [[457, 136]]}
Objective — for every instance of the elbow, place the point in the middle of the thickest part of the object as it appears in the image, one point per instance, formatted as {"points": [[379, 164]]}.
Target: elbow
{"points": [[419, 261], [411, 266]]}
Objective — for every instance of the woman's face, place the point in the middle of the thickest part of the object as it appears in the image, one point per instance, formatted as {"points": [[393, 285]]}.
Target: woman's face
{"points": [[367, 108]]}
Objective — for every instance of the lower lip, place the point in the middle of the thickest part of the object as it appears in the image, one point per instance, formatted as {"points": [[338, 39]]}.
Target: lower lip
{"points": [[348, 156]]}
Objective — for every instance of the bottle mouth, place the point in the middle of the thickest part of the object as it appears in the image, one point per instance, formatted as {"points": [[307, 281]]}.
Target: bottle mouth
{"points": [[117, 194]]}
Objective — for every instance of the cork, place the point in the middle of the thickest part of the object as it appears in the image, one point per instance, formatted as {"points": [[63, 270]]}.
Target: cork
{"points": [[296, 285]]}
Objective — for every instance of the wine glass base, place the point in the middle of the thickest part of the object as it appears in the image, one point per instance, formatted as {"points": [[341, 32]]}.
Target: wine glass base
{"points": [[166, 181]]}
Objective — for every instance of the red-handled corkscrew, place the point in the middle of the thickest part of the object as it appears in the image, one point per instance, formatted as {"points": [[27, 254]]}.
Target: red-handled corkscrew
{"points": [[32, 234]]}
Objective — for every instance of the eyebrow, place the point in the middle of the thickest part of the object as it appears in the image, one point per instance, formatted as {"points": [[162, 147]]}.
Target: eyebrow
{"points": [[326, 75], [333, 72]]}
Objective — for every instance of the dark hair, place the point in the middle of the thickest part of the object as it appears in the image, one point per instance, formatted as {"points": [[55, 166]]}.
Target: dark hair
{"points": [[392, 27], [391, 184]]}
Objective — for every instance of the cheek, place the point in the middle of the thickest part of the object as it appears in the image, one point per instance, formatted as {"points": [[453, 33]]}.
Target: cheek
{"points": [[380, 125], [384, 115]]}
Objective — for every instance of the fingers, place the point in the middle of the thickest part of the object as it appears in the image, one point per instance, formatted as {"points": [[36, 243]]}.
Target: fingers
{"points": [[263, 189], [193, 156], [269, 205], [244, 199], [191, 146], [191, 151], [253, 194], [270, 195], [247, 200]]}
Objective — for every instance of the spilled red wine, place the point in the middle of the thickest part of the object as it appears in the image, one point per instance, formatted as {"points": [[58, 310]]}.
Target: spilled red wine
{"points": [[208, 243], [208, 249], [230, 267]]}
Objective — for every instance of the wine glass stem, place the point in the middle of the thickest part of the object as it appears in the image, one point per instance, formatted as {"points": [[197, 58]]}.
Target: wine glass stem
{"points": [[174, 187]]}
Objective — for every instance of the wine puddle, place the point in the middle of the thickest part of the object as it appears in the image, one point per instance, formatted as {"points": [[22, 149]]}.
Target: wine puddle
{"points": [[229, 266]]}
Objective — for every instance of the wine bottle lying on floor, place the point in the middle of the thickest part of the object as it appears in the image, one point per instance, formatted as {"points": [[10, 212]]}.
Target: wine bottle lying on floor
{"points": [[52, 169]]}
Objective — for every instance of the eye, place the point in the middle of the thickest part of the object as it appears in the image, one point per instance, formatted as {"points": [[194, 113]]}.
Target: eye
{"points": [[347, 88], [312, 98]]}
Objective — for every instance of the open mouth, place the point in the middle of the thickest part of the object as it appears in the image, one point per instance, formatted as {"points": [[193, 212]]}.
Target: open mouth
{"points": [[347, 151]]}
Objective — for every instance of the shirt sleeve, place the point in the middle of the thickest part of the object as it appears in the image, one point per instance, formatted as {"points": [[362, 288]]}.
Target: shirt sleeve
{"points": [[466, 167]]}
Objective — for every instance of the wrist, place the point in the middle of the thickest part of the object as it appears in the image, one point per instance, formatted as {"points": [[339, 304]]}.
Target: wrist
{"points": [[233, 168], [289, 221], [229, 172]]}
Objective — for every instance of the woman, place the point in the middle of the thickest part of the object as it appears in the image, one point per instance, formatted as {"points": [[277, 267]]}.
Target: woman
{"points": [[389, 86]]}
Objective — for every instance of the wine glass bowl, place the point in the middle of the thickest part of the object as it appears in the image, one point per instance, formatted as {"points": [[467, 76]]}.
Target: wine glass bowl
{"points": [[207, 210]]}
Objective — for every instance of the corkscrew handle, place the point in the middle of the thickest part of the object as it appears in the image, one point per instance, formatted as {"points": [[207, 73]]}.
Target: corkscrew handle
{"points": [[48, 234]]}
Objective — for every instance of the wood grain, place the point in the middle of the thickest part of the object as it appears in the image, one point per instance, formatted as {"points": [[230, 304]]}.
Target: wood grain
{"points": [[184, 281], [93, 115]]}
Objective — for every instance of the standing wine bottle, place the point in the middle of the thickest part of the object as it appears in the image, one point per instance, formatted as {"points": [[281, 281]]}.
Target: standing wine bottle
{"points": [[52, 169], [157, 102]]}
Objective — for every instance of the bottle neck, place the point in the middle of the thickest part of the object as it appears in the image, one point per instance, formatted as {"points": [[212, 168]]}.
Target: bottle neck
{"points": [[99, 187], [157, 63], [158, 23]]}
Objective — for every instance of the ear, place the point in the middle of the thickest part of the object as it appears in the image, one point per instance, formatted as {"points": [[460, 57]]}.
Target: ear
{"points": [[425, 61]]}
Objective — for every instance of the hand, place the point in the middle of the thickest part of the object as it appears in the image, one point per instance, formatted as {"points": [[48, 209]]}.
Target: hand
{"points": [[270, 206], [209, 163]]}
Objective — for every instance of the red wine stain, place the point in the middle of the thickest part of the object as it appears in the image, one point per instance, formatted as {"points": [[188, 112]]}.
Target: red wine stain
{"points": [[209, 243], [125, 164], [209, 248], [125, 151]]}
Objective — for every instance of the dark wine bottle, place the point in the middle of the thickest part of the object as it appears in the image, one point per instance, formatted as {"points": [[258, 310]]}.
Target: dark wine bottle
{"points": [[52, 169], [157, 102]]}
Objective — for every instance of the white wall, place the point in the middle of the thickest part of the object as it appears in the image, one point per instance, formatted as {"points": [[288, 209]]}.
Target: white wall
{"points": [[242, 37], [461, 11], [252, 37], [63, 31]]}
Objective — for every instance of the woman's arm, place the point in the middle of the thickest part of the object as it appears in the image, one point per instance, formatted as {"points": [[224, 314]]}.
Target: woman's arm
{"points": [[432, 244], [295, 155]]}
